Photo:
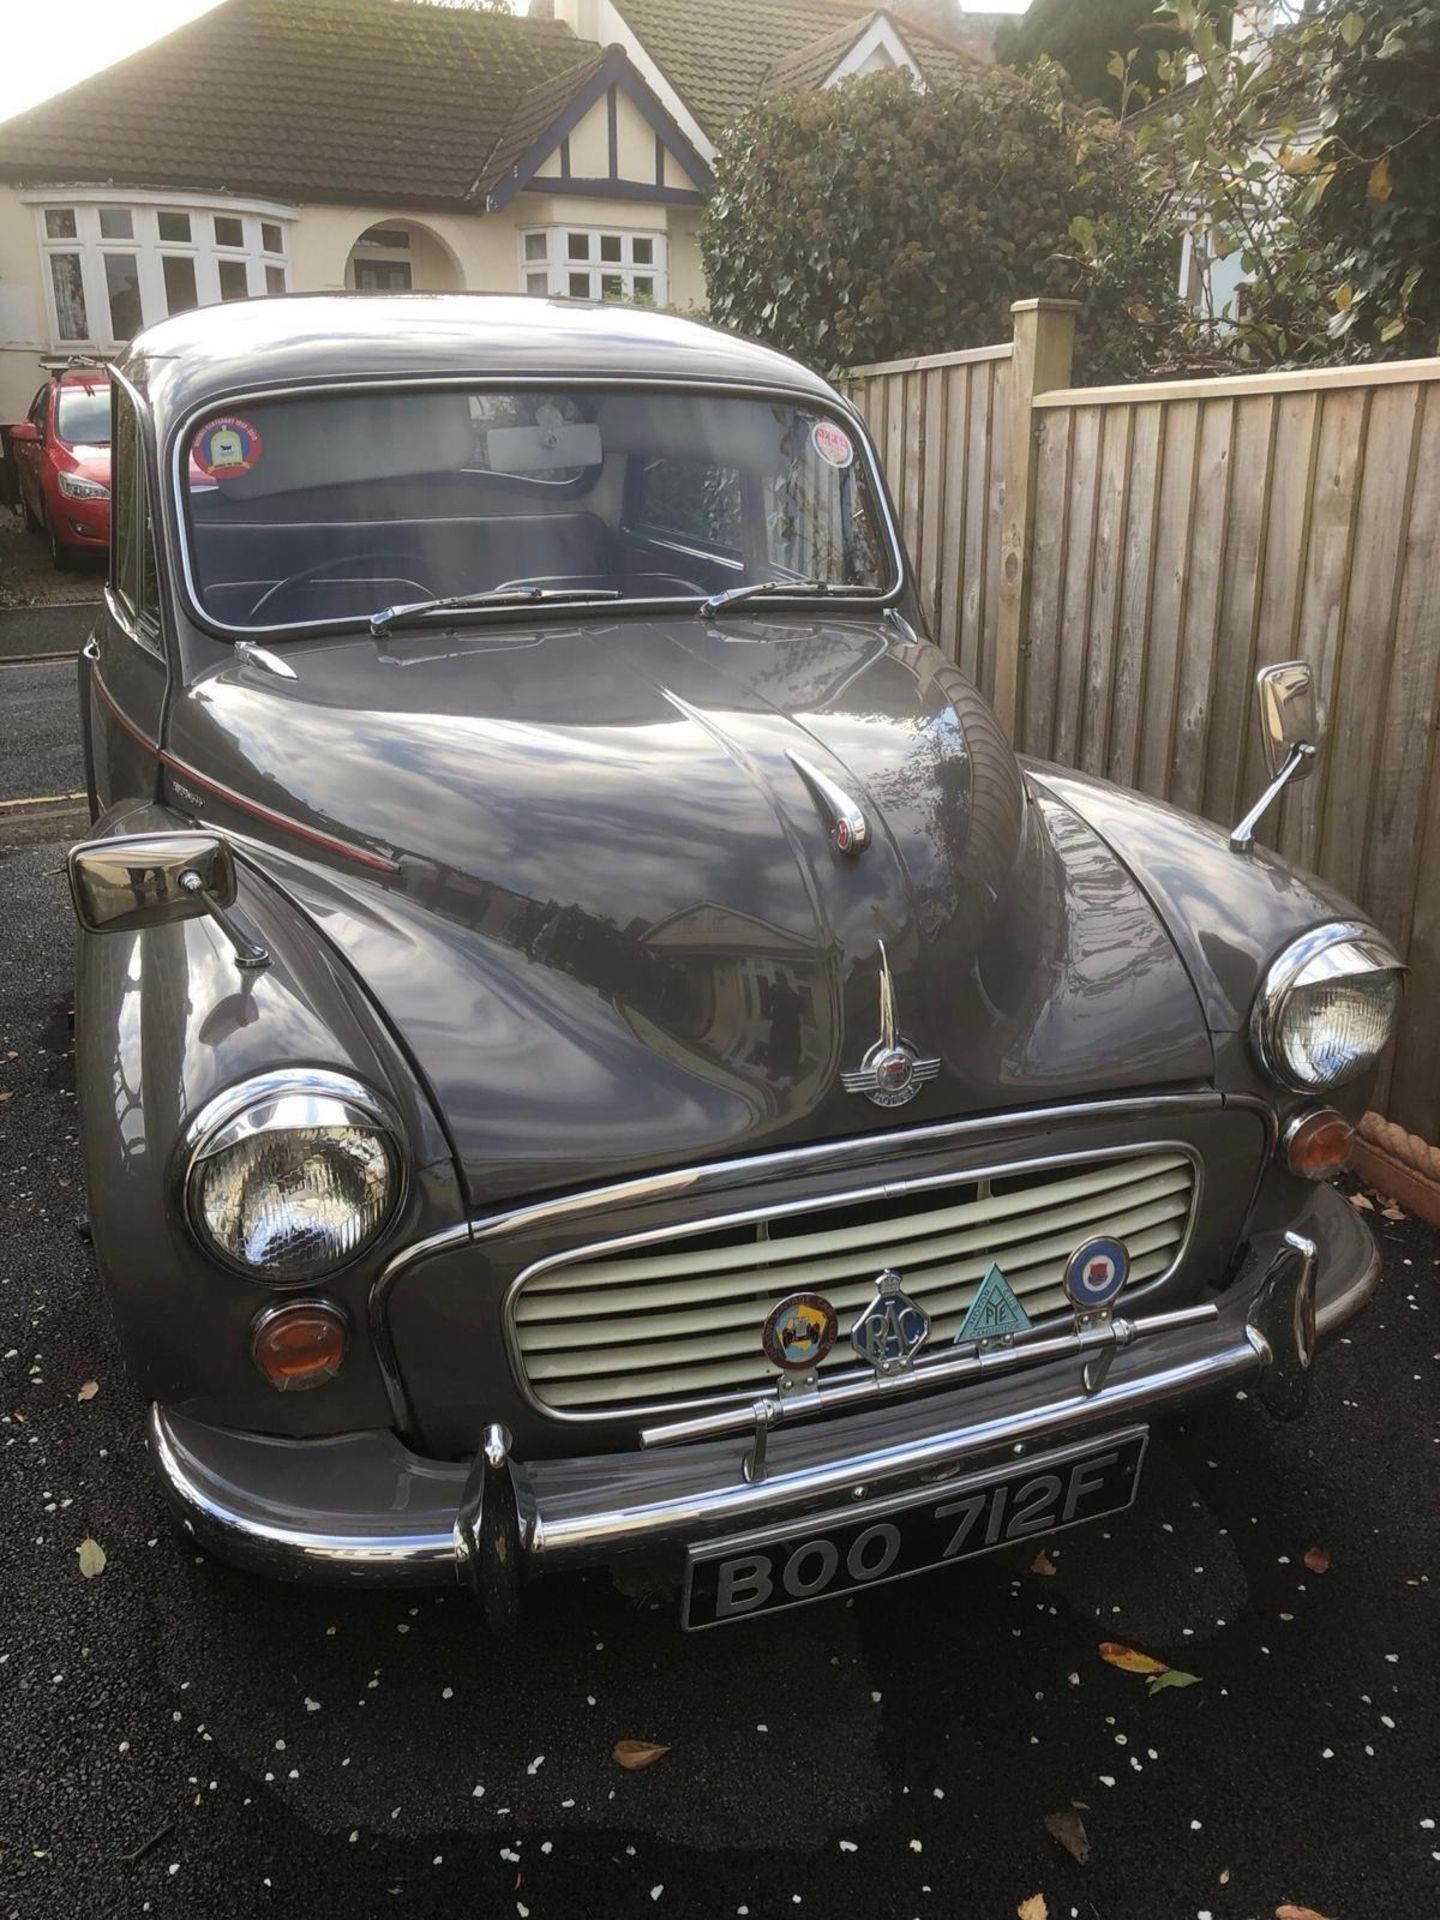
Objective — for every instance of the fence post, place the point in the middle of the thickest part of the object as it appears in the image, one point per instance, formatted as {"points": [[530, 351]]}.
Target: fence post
{"points": [[1044, 348]]}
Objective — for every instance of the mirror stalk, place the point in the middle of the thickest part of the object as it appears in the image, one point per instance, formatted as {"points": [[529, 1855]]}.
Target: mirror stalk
{"points": [[250, 956], [1297, 761]]}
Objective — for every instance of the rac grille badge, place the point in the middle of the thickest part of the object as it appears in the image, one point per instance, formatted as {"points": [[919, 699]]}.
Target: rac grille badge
{"points": [[891, 1073]]}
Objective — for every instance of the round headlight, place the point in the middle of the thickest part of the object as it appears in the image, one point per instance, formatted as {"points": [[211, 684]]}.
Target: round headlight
{"points": [[292, 1175], [1328, 1006]]}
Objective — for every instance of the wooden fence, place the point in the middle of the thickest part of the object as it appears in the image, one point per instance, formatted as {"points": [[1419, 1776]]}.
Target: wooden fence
{"points": [[941, 424], [1112, 564]]}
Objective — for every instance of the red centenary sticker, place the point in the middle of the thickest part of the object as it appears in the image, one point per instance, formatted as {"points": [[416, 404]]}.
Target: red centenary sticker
{"points": [[226, 445], [832, 443]]}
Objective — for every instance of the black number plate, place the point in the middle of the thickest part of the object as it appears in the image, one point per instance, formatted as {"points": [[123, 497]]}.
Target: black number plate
{"points": [[889, 1540]]}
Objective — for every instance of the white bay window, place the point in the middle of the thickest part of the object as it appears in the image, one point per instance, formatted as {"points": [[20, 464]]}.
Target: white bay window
{"points": [[113, 266], [595, 263]]}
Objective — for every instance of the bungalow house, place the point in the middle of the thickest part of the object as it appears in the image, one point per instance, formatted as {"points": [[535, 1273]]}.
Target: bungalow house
{"points": [[276, 145]]}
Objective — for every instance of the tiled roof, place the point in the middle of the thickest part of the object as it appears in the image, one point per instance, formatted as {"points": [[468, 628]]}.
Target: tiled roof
{"points": [[719, 57], [369, 100], [807, 66], [535, 110]]}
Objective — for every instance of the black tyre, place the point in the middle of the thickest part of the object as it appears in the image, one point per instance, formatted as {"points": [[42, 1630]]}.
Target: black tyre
{"points": [[61, 557]]}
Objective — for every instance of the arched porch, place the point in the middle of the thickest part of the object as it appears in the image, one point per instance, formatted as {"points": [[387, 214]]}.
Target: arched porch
{"points": [[396, 256]]}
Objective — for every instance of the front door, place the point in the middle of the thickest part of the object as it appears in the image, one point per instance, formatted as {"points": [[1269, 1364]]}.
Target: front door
{"points": [[29, 453], [124, 676], [382, 276]]}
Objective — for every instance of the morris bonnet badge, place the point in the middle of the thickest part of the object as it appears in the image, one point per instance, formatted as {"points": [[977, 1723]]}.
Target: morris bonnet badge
{"points": [[800, 1332], [891, 1072], [892, 1329]]}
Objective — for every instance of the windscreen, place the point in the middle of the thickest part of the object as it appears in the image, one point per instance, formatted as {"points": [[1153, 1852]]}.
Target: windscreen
{"points": [[82, 416], [333, 507]]}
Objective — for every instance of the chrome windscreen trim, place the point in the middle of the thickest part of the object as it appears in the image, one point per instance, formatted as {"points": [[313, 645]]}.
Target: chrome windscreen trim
{"points": [[914, 1381]]}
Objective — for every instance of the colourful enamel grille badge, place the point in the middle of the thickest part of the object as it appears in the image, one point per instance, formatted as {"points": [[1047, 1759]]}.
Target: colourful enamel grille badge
{"points": [[799, 1332], [1096, 1272]]}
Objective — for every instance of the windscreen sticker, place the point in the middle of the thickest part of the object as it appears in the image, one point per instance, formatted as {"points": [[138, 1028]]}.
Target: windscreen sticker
{"points": [[226, 445], [832, 443]]}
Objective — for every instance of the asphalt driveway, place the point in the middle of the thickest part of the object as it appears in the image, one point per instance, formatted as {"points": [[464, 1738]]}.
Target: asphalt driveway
{"points": [[180, 1740]]}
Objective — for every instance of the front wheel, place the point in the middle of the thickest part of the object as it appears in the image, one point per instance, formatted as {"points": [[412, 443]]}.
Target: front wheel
{"points": [[61, 558]]}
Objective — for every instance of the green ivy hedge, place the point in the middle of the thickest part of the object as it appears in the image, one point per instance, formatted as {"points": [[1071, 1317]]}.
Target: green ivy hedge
{"points": [[872, 221]]}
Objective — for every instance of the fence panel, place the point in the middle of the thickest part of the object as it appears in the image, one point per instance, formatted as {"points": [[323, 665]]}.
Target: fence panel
{"points": [[939, 425]]}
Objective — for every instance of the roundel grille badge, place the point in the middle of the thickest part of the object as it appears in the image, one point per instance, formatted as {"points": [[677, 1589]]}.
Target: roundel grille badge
{"points": [[1096, 1272], [800, 1332]]}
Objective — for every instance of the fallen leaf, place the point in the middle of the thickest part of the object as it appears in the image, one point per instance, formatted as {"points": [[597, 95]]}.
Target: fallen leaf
{"points": [[1042, 1564], [1297, 1913], [9, 1094], [635, 1754], [89, 1390], [1068, 1831], [1363, 1202], [1317, 1559], [64, 1181], [92, 1558], [1172, 1677], [1128, 1660], [1391, 1212], [1033, 1909]]}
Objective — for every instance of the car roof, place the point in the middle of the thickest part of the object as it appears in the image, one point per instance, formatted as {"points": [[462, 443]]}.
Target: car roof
{"points": [[215, 353]]}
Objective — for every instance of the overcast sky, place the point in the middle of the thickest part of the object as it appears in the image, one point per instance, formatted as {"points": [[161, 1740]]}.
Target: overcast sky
{"points": [[45, 52]]}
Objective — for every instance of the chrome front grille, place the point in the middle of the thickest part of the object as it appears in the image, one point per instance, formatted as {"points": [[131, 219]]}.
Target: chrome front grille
{"points": [[675, 1316]]}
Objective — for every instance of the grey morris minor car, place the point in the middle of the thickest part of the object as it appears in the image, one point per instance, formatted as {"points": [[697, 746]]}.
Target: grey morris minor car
{"points": [[591, 1045]]}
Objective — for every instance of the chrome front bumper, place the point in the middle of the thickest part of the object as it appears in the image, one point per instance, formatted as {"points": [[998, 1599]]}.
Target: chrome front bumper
{"points": [[364, 1509]]}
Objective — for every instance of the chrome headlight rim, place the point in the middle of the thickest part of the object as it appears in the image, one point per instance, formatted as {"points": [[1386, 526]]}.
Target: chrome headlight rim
{"points": [[313, 1097], [1341, 941]]}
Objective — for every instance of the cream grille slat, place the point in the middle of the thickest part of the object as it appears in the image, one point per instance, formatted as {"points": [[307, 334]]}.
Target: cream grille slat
{"points": [[644, 1329], [1037, 1264], [879, 1232], [580, 1303], [635, 1390], [949, 1289]]}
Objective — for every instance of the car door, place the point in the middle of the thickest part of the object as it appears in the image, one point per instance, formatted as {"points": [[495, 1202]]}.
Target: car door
{"points": [[29, 453], [125, 676]]}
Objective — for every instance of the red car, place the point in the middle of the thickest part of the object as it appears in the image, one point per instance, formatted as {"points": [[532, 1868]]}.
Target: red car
{"points": [[61, 451]]}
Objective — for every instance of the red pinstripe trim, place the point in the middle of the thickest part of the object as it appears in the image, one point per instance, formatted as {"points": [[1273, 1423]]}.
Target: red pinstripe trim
{"points": [[344, 848]]}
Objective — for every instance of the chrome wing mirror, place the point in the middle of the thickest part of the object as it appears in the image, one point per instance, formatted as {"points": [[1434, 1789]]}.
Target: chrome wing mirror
{"points": [[1291, 728], [155, 879]]}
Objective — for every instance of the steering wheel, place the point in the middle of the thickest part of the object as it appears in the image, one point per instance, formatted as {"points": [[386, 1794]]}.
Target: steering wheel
{"points": [[334, 562]]}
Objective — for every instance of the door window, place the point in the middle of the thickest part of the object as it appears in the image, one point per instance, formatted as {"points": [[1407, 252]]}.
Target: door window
{"points": [[695, 500]]}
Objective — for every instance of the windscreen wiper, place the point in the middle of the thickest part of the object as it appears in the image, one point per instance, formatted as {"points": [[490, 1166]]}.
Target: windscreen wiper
{"points": [[418, 612], [733, 596]]}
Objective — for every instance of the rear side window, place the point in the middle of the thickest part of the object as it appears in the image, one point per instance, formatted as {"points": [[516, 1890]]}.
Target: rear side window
{"points": [[695, 499]]}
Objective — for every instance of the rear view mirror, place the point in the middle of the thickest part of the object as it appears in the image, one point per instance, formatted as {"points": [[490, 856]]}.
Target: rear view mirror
{"points": [[1291, 726], [1288, 716], [154, 880], [25, 433]]}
